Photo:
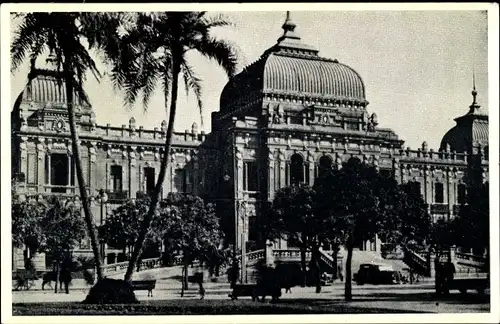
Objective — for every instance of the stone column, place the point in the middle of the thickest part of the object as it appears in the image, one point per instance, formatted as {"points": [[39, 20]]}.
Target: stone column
{"points": [[40, 150], [171, 170], [132, 172], [282, 170], [195, 181], [449, 191], [93, 167], [49, 169], [69, 154], [310, 160], [23, 163], [238, 183], [428, 186], [270, 176]]}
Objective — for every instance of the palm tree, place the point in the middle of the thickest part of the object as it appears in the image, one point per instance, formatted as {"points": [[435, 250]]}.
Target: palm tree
{"points": [[63, 35], [153, 52]]}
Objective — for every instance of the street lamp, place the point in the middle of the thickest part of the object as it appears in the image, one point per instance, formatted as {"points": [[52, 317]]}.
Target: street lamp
{"points": [[103, 198]]}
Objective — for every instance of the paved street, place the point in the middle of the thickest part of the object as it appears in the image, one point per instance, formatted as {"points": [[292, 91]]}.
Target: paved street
{"points": [[401, 297]]}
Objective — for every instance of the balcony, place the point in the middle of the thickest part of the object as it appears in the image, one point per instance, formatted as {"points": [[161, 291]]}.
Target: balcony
{"points": [[117, 197], [439, 209]]}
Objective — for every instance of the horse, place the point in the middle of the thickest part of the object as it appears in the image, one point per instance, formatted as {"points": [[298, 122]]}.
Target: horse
{"points": [[48, 277]]}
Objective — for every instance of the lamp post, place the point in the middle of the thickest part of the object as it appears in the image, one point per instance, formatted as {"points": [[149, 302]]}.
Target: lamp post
{"points": [[103, 198]]}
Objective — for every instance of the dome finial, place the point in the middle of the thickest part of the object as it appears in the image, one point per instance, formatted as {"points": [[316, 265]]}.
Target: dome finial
{"points": [[474, 106], [474, 92], [288, 25]]}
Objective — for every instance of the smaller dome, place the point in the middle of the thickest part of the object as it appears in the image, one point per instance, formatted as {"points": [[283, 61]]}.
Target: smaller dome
{"points": [[461, 137], [47, 86], [471, 129]]}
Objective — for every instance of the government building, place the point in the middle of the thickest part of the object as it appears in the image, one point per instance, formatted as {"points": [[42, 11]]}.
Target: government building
{"points": [[284, 119]]}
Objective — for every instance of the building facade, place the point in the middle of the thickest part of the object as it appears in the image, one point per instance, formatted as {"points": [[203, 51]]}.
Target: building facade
{"points": [[284, 119]]}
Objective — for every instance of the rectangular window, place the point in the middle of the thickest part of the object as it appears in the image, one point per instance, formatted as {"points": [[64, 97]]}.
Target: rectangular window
{"points": [[59, 172], [386, 173], [461, 193], [116, 178], [416, 189], [149, 178], [73, 171], [180, 180], [438, 193], [250, 176]]}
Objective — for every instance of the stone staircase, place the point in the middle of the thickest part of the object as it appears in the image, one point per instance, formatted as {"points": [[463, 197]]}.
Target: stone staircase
{"points": [[466, 264]]}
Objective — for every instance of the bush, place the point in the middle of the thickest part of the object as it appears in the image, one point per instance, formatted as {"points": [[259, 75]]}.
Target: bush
{"points": [[111, 291]]}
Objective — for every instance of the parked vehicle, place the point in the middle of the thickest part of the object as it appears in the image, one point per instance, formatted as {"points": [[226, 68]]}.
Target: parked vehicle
{"points": [[374, 273]]}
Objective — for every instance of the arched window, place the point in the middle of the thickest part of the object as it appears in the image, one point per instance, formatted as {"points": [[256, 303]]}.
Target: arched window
{"points": [[296, 169], [325, 164], [438, 193], [461, 193]]}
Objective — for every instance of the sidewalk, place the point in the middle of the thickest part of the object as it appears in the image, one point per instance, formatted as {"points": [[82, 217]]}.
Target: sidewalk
{"points": [[392, 297]]}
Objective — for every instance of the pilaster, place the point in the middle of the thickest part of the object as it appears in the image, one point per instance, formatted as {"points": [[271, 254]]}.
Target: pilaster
{"points": [[132, 172], [311, 165], [282, 170], [40, 165], [270, 176], [93, 166]]}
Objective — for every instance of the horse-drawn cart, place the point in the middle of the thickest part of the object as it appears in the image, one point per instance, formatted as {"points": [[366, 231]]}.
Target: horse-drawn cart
{"points": [[24, 279]]}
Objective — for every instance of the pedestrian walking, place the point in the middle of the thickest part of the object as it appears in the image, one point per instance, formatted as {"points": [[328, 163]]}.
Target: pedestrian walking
{"points": [[339, 273], [65, 274]]}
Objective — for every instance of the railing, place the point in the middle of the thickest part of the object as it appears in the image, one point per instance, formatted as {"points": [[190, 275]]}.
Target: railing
{"points": [[145, 264], [327, 259], [117, 196], [255, 256], [469, 273], [439, 209], [470, 259], [414, 258], [280, 254]]}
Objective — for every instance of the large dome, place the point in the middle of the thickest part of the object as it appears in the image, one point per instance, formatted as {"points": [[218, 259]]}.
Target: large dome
{"points": [[294, 69], [471, 129]]}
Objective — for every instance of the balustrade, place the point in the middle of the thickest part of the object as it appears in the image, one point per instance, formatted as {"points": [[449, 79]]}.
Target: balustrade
{"points": [[115, 268], [439, 209]]}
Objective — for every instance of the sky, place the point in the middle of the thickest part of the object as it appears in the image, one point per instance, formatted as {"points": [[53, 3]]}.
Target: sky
{"points": [[417, 67]]}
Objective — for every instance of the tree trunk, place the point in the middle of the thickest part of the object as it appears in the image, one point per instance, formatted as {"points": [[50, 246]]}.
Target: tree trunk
{"points": [[184, 277], [303, 265], [75, 144], [56, 276], [335, 262], [348, 274], [316, 267], [146, 223]]}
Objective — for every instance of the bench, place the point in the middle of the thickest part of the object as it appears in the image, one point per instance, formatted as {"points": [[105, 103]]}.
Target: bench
{"points": [[240, 290], [148, 285], [464, 284]]}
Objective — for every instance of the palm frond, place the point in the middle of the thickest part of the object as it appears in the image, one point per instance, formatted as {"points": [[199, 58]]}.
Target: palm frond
{"points": [[223, 52], [30, 35], [219, 20], [193, 83]]}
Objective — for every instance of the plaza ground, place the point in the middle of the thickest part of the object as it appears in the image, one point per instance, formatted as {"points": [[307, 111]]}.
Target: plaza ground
{"points": [[167, 300]]}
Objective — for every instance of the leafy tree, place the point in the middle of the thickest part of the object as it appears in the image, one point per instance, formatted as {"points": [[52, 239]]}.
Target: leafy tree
{"points": [[27, 231], [407, 220], [190, 227], [63, 35], [121, 227], [154, 50], [292, 217], [353, 205], [472, 223], [64, 229]]}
